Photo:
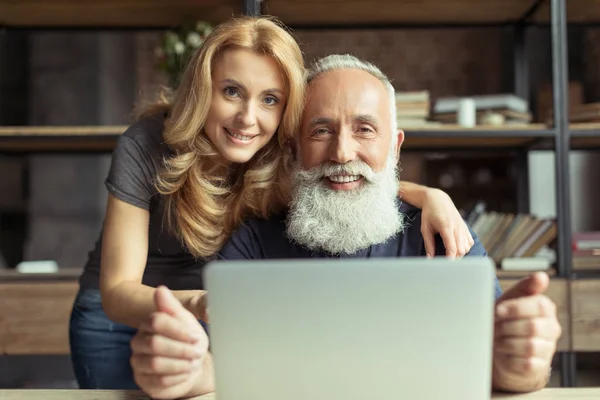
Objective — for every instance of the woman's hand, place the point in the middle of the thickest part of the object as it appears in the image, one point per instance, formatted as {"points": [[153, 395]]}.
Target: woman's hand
{"points": [[439, 215]]}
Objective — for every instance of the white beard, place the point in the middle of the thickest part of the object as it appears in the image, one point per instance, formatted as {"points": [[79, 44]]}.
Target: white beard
{"points": [[344, 221]]}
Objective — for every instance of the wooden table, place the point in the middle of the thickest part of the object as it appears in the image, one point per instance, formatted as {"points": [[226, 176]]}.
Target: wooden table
{"points": [[546, 394]]}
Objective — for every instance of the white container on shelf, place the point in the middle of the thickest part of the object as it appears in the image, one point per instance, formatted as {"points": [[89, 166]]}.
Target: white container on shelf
{"points": [[467, 113]]}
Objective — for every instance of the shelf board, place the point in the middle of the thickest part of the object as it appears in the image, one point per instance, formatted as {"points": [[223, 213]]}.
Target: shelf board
{"points": [[585, 136], [30, 139], [447, 137], [114, 13], [306, 13]]}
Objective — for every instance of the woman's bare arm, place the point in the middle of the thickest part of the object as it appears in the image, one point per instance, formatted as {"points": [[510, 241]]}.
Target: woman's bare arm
{"points": [[124, 256]]}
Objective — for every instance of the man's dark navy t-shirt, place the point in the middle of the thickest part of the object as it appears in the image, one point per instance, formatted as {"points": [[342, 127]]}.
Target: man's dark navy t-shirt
{"points": [[267, 239]]}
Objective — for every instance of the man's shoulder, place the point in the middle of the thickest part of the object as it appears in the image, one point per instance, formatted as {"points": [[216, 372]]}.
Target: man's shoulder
{"points": [[257, 238], [411, 217], [414, 236], [275, 222]]}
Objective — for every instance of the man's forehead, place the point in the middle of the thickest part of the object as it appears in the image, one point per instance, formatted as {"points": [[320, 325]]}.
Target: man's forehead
{"points": [[352, 91]]}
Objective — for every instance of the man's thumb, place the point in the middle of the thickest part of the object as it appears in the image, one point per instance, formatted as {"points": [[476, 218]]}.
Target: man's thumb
{"points": [[166, 302], [533, 284]]}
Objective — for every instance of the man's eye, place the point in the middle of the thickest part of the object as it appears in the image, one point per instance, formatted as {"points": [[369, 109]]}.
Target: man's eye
{"points": [[365, 129]]}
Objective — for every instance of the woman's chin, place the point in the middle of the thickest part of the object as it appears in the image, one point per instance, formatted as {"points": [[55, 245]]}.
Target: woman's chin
{"points": [[237, 156]]}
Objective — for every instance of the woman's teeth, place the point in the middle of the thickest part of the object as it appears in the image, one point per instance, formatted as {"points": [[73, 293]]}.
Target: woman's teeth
{"points": [[343, 178], [238, 136]]}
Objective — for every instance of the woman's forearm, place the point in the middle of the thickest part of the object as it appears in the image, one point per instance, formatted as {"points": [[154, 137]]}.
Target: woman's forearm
{"points": [[413, 193], [129, 303]]}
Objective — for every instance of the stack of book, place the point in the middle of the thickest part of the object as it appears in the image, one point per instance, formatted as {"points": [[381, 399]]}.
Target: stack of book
{"points": [[586, 251], [512, 109], [413, 109], [513, 241], [580, 113]]}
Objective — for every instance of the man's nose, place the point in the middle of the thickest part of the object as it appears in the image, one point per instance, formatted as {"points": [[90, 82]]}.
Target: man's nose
{"points": [[247, 114], [343, 149]]}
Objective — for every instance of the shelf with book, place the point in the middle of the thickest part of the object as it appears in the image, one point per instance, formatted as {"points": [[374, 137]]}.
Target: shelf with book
{"points": [[40, 139], [446, 136], [20, 139], [585, 136]]}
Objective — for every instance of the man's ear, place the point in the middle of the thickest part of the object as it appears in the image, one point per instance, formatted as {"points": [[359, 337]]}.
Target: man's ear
{"points": [[399, 142]]}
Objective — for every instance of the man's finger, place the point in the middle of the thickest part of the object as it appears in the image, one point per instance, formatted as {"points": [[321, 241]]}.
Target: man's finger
{"points": [[157, 345], [429, 240], [525, 347], [525, 307], [521, 364], [533, 284], [144, 364], [153, 381], [547, 328], [172, 327], [167, 302]]}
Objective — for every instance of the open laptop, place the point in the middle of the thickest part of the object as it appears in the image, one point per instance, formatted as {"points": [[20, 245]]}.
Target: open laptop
{"points": [[350, 329]]}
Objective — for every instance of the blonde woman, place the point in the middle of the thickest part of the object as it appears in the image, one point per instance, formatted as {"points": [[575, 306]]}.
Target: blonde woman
{"points": [[185, 175]]}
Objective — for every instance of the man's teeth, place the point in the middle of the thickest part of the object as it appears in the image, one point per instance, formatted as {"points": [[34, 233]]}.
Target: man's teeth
{"points": [[343, 178], [237, 136]]}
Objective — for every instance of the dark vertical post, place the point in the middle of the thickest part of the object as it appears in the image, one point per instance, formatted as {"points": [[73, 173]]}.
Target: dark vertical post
{"points": [[252, 7], [560, 76], [522, 181], [521, 89], [521, 61]]}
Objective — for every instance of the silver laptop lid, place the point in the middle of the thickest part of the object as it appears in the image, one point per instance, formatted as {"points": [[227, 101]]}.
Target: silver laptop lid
{"points": [[403, 328]]}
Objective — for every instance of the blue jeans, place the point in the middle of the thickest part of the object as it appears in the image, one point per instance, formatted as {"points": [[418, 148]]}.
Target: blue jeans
{"points": [[100, 349]]}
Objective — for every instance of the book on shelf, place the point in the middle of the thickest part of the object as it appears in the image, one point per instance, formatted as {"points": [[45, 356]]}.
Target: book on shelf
{"points": [[585, 251], [447, 105], [514, 240], [580, 113], [510, 117], [413, 109]]}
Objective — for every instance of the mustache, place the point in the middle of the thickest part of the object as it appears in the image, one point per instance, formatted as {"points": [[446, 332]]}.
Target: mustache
{"points": [[355, 167]]}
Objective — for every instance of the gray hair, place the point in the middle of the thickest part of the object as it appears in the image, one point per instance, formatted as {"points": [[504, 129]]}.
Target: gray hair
{"points": [[347, 61]]}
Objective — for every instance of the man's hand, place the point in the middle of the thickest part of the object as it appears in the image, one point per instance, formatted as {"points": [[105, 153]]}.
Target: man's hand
{"points": [[170, 356], [440, 215], [199, 306], [525, 334]]}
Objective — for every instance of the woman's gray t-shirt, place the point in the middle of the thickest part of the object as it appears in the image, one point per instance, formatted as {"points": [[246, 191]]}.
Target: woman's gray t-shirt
{"points": [[136, 160]]}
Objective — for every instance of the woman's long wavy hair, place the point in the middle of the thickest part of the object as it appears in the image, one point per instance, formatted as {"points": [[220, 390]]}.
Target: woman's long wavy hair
{"points": [[205, 202]]}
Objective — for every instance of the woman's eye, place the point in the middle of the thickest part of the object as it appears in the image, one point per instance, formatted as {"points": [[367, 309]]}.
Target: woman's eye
{"points": [[271, 100], [231, 91]]}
